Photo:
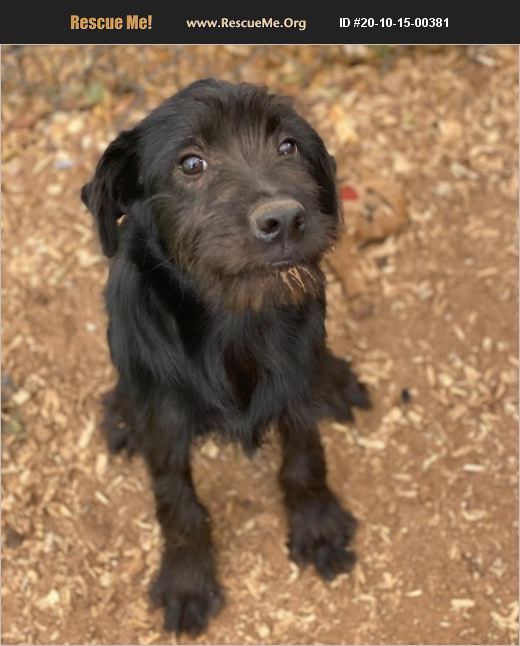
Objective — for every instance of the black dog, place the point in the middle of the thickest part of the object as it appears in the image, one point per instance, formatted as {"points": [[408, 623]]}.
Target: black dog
{"points": [[216, 306]]}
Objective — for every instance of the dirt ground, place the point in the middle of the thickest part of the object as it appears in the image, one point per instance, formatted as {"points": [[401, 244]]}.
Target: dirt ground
{"points": [[433, 480]]}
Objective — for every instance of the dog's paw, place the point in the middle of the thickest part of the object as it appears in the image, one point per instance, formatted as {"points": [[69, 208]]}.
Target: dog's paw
{"points": [[189, 598], [341, 390], [320, 531], [116, 425], [357, 392]]}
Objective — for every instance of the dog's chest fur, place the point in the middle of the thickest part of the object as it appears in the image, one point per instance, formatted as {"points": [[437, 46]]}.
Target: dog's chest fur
{"points": [[261, 362], [242, 370], [234, 372]]}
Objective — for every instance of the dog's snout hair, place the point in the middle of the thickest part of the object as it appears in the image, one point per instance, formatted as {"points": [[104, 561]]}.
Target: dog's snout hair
{"points": [[216, 307]]}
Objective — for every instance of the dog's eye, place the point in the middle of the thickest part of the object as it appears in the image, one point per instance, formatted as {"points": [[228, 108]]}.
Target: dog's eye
{"points": [[287, 148], [193, 165]]}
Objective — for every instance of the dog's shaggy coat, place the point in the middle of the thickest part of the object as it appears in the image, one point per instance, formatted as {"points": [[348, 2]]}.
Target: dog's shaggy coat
{"points": [[216, 310]]}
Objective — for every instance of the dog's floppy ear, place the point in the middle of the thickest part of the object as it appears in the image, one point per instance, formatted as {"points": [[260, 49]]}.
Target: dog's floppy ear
{"points": [[114, 187]]}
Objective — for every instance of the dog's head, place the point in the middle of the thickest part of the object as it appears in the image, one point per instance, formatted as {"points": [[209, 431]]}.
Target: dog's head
{"points": [[241, 187]]}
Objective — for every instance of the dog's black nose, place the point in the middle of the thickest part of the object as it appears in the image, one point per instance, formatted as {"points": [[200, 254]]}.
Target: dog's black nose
{"points": [[278, 220]]}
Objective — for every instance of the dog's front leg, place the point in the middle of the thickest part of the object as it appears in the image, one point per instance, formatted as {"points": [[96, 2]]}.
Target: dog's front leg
{"points": [[186, 584], [319, 528]]}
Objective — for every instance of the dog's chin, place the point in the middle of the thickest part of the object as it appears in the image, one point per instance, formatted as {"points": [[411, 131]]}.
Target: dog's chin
{"points": [[276, 267], [282, 264], [286, 262], [283, 282]]}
